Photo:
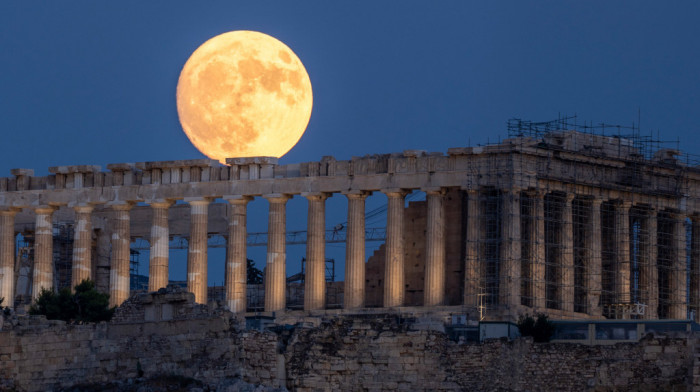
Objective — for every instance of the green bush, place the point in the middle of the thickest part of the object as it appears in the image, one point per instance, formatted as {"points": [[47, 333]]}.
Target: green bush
{"points": [[85, 305], [541, 329]]}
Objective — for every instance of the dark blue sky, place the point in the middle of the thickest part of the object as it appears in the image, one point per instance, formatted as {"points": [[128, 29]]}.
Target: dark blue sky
{"points": [[84, 82]]}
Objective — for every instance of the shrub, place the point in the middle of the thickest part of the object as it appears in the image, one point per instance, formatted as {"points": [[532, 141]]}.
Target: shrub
{"points": [[85, 305], [541, 329], [255, 276]]}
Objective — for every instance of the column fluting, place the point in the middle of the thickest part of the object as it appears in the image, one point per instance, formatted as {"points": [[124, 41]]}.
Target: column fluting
{"points": [[121, 240], [315, 279], [7, 256], [354, 292], [197, 252], [236, 255], [160, 246], [43, 251], [394, 290], [275, 271], [434, 291], [82, 245]]}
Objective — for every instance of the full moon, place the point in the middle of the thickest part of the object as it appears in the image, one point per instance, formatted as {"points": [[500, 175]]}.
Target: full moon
{"points": [[244, 94]]}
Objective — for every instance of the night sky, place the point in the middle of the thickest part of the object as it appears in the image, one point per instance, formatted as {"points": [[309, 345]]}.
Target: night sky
{"points": [[84, 82]]}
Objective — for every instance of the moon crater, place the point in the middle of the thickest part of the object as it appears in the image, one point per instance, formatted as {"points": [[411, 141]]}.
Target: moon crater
{"points": [[244, 93]]}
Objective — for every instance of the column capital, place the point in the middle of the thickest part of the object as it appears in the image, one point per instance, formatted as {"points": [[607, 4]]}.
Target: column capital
{"points": [[434, 190], [356, 194], [317, 195], [277, 198], [626, 204], [122, 205], [193, 201], [84, 208], [596, 201], [395, 192], [161, 203], [238, 199], [469, 189], [536, 193], [45, 210], [9, 211], [678, 215], [511, 190], [569, 197]]}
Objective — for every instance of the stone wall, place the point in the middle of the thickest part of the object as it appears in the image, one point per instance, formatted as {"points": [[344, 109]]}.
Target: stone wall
{"points": [[167, 334], [388, 354], [415, 218]]}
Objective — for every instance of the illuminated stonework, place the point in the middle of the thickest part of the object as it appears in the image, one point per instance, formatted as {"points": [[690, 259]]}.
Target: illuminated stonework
{"points": [[574, 225]]}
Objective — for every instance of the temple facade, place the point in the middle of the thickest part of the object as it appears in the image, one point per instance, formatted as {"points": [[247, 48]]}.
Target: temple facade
{"points": [[571, 224]]}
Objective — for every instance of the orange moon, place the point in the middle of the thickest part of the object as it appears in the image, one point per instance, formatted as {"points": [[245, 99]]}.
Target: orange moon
{"points": [[244, 94]]}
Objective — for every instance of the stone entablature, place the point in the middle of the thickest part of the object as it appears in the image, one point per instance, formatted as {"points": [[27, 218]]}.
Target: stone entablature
{"points": [[519, 175]]}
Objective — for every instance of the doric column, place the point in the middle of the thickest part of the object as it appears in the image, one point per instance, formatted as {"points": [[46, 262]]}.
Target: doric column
{"points": [[434, 291], [160, 245], [43, 251], [622, 246], [354, 293], [648, 268], [394, 260], [236, 255], [7, 256], [102, 265], [197, 253], [121, 240], [82, 245], [509, 288], [275, 271], [594, 260], [472, 267], [315, 279], [567, 255], [537, 246], [678, 270], [695, 267]]}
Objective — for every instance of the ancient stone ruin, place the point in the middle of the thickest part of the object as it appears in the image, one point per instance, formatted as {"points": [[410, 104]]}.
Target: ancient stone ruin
{"points": [[568, 223]]}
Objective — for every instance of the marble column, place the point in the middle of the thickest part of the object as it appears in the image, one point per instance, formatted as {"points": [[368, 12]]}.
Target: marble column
{"points": [[237, 255], [315, 279], [472, 266], [648, 267], [394, 289], [622, 246], [43, 251], [537, 246], [594, 260], [510, 251], [566, 255], [197, 252], [82, 245], [7, 256], [121, 241], [275, 270], [695, 267], [160, 245], [434, 291], [354, 296], [678, 284]]}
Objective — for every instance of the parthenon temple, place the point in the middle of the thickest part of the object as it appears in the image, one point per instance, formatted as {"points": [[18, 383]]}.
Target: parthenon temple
{"points": [[572, 224]]}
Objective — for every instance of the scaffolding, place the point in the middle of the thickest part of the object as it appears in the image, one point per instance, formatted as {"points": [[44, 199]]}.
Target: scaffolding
{"points": [[62, 254], [549, 191]]}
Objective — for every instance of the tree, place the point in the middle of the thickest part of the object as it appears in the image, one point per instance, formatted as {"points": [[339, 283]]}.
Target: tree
{"points": [[255, 276], [86, 304], [541, 329]]}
